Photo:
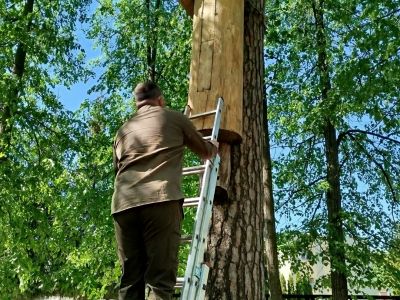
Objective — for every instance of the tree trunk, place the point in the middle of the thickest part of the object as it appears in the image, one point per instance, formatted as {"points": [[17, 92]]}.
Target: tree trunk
{"points": [[236, 235], [7, 106], [336, 238], [152, 19], [271, 248]]}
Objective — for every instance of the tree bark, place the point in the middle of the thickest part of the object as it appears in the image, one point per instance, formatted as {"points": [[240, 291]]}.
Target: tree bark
{"points": [[10, 101], [336, 238], [271, 248], [237, 231]]}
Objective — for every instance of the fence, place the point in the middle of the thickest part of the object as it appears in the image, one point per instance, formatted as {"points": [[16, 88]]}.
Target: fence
{"points": [[350, 297]]}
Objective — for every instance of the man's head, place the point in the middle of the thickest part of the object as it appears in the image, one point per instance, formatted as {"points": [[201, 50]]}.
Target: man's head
{"points": [[148, 93]]}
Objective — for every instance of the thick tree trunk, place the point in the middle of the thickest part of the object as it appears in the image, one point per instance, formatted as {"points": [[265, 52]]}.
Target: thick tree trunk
{"points": [[271, 248], [7, 106], [336, 238], [236, 240]]}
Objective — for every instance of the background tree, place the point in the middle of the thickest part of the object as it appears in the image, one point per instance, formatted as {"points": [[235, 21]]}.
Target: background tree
{"points": [[334, 113], [271, 247], [59, 237], [37, 139], [142, 40], [389, 273]]}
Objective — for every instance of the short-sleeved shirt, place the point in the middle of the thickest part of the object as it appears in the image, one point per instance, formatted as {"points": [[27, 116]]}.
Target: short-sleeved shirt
{"points": [[148, 153]]}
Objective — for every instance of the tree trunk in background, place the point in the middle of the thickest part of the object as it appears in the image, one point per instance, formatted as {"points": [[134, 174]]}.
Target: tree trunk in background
{"points": [[10, 100], [271, 248], [152, 19], [336, 238], [237, 231]]}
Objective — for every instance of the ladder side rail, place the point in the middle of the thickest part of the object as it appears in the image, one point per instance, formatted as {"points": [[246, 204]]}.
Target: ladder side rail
{"points": [[196, 273], [217, 119], [190, 266], [193, 273], [201, 290], [207, 202], [201, 269], [187, 110]]}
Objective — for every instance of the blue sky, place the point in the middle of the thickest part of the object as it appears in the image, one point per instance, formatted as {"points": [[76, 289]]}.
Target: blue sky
{"points": [[72, 97]]}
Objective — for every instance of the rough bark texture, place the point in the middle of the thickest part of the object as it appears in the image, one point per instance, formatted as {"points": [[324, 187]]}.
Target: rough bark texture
{"points": [[333, 197], [271, 248], [236, 240]]}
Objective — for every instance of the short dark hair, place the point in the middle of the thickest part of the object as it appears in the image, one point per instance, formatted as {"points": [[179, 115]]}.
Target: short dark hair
{"points": [[146, 90]]}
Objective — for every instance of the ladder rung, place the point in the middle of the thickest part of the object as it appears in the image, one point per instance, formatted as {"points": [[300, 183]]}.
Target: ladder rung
{"points": [[186, 238], [191, 201], [207, 113], [193, 170], [179, 282]]}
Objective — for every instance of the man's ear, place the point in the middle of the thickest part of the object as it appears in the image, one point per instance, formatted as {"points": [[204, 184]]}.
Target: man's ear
{"points": [[161, 101]]}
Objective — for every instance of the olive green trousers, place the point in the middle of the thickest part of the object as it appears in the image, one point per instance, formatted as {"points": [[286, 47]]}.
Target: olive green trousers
{"points": [[148, 239]]}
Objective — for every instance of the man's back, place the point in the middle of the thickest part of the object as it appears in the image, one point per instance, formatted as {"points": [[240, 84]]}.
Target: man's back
{"points": [[148, 153]]}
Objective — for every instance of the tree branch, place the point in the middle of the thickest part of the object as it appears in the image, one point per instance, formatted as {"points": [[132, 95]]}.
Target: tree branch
{"points": [[380, 167], [349, 132], [317, 207], [292, 193]]}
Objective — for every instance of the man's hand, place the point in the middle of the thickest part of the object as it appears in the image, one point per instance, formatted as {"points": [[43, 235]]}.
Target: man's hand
{"points": [[214, 151]]}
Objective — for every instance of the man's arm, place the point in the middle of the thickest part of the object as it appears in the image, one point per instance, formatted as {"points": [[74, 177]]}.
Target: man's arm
{"points": [[115, 163], [196, 143]]}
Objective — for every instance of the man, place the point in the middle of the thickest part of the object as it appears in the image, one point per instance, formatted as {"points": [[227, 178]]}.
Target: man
{"points": [[147, 200]]}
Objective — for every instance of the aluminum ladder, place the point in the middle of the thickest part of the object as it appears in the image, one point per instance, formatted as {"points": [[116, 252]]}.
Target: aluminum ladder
{"points": [[195, 281]]}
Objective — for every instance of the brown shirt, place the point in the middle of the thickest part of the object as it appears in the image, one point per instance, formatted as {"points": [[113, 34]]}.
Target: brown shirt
{"points": [[148, 152]]}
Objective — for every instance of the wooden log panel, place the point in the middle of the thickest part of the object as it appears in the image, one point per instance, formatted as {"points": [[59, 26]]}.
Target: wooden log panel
{"points": [[217, 65]]}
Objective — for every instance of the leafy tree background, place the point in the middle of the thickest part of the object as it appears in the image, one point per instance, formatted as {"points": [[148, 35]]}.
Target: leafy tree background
{"points": [[362, 47], [56, 165], [56, 233]]}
